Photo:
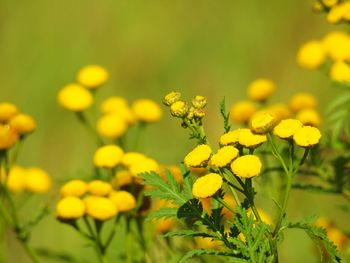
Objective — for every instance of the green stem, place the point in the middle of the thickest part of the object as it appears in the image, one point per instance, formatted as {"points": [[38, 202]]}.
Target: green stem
{"points": [[138, 137], [30, 252], [85, 122], [232, 188], [224, 204]]}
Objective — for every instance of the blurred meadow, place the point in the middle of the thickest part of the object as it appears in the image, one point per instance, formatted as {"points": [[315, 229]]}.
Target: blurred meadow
{"points": [[211, 48]]}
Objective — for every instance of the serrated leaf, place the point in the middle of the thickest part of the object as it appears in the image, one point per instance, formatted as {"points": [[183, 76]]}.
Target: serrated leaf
{"points": [[164, 212], [188, 233], [191, 211], [200, 252], [319, 234]]}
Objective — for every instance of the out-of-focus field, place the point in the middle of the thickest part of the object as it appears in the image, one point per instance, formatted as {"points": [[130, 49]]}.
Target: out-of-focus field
{"points": [[212, 48]]}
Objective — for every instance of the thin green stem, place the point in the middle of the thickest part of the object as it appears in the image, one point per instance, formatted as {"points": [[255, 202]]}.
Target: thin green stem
{"points": [[224, 204], [139, 135], [85, 122], [30, 252]]}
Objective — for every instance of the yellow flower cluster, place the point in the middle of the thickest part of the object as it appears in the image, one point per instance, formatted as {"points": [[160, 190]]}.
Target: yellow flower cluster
{"points": [[261, 117], [243, 137], [13, 125], [335, 46], [32, 179], [199, 156], [303, 136], [96, 199], [337, 11]]}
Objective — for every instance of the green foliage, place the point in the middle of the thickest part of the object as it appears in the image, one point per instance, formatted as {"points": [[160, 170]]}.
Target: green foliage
{"points": [[201, 252], [319, 236], [225, 115]]}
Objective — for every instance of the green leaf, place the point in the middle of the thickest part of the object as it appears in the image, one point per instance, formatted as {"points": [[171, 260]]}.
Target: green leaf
{"points": [[319, 236], [191, 211], [338, 102], [164, 212], [166, 190], [200, 252], [188, 233], [225, 115]]}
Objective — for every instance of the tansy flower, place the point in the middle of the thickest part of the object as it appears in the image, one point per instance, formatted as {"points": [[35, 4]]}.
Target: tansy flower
{"points": [[242, 111], [37, 180], [337, 45], [207, 243], [302, 100], [122, 178], [179, 109], [329, 3], [207, 185], [131, 158], [74, 97], [101, 208], [224, 156], [15, 181], [171, 98], [7, 111], [279, 111], [287, 128], [250, 140], [145, 166], [108, 156], [337, 237], [246, 166], [230, 138], [111, 126], [123, 200], [307, 136], [146, 110], [69, 208], [163, 225], [340, 71], [23, 123], [262, 123], [118, 106], [309, 117], [8, 137], [338, 12], [74, 188], [311, 55], [323, 222], [260, 89], [198, 157], [199, 102], [99, 188], [92, 76]]}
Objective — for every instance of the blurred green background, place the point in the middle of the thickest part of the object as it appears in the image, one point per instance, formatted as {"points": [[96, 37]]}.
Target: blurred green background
{"points": [[211, 48]]}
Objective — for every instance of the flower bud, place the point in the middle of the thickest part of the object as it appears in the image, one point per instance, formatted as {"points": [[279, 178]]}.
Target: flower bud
{"points": [[199, 102], [199, 113], [171, 98], [179, 109]]}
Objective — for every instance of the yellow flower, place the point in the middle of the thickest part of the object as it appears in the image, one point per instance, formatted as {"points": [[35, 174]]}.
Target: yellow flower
{"points": [[307, 136], [337, 45], [311, 55], [163, 225], [111, 126], [309, 117], [207, 185], [302, 100], [108, 156], [16, 179], [250, 140], [118, 106], [174, 170], [337, 237], [99, 188], [224, 156], [144, 166], [8, 137], [131, 158], [146, 110], [7, 111], [279, 111], [37, 180], [171, 98], [287, 128], [260, 89], [246, 166], [74, 188], [231, 202], [122, 178], [70, 208], [329, 3], [23, 123], [340, 71], [92, 76], [323, 222], [242, 111], [262, 123], [179, 109], [199, 102], [230, 138], [207, 243], [74, 97], [101, 208], [123, 200], [338, 12], [198, 157]]}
